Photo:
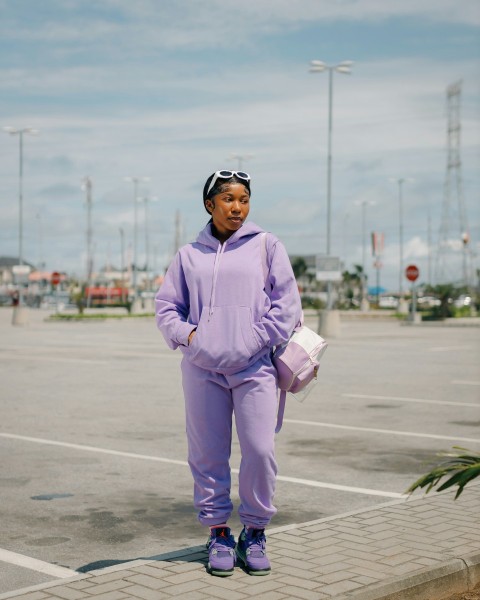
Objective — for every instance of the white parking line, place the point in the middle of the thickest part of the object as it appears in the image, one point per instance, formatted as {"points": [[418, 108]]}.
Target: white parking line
{"points": [[449, 348], [113, 355], [387, 431], [463, 382], [308, 482], [57, 359], [20, 560], [420, 400]]}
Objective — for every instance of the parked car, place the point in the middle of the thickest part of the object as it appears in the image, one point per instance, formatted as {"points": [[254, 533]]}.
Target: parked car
{"points": [[388, 302], [428, 302], [462, 301]]}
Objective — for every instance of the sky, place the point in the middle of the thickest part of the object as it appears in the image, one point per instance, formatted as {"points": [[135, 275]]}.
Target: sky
{"points": [[174, 90]]}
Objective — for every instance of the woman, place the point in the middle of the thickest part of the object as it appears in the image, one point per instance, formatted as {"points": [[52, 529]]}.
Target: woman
{"points": [[214, 307]]}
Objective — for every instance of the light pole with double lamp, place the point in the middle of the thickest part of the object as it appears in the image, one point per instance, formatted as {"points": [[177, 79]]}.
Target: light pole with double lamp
{"points": [[402, 305], [146, 200], [318, 66], [136, 181], [364, 203], [19, 313]]}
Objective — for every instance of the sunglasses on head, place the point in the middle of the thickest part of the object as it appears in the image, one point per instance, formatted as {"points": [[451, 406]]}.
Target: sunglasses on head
{"points": [[227, 175]]}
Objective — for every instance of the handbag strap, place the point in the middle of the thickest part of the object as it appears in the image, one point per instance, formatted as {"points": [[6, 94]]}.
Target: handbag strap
{"points": [[283, 393], [265, 267], [281, 410]]}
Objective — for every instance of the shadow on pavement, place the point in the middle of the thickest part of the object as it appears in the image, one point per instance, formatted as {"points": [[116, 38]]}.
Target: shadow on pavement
{"points": [[192, 554]]}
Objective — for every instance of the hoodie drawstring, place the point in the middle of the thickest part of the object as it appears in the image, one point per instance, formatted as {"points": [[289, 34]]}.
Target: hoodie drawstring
{"points": [[216, 264]]}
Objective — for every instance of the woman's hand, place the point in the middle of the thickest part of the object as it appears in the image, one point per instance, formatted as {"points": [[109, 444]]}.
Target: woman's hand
{"points": [[190, 337]]}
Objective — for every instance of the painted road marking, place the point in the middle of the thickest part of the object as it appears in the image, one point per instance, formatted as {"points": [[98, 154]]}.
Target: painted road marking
{"points": [[308, 482], [59, 359], [387, 431], [20, 560], [420, 400], [463, 382], [63, 359], [449, 348]]}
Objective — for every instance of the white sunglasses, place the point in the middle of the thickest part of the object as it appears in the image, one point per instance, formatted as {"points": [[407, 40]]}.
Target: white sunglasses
{"points": [[227, 175]]}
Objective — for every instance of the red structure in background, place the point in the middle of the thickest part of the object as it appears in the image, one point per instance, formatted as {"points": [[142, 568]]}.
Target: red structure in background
{"points": [[106, 296]]}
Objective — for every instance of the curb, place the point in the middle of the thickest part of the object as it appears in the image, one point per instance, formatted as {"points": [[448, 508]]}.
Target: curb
{"points": [[454, 576]]}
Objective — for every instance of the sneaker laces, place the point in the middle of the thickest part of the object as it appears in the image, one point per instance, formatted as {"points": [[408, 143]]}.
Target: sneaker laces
{"points": [[256, 542], [221, 542]]}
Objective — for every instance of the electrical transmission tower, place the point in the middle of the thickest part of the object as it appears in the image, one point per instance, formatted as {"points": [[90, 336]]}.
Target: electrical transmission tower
{"points": [[454, 226]]}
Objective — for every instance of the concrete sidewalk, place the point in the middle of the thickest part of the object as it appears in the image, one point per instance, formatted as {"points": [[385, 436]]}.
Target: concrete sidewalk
{"points": [[422, 548]]}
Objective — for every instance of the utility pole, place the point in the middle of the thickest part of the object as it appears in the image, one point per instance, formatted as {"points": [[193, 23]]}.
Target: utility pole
{"points": [[87, 186], [122, 261], [178, 232], [429, 244]]}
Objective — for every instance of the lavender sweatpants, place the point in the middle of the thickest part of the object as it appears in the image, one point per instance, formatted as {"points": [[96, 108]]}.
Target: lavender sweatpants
{"points": [[210, 401]]}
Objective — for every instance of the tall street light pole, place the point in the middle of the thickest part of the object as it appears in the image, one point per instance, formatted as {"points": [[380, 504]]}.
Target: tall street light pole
{"points": [[20, 133], [400, 181], [87, 187], [122, 266], [146, 200], [318, 66], [136, 181], [364, 203]]}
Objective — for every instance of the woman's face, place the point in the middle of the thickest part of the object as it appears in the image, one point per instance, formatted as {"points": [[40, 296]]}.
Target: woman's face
{"points": [[229, 209]]}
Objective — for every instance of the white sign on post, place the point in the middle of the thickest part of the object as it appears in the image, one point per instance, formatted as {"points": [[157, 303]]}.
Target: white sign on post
{"points": [[327, 268]]}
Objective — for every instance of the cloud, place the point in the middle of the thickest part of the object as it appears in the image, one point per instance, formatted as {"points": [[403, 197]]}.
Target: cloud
{"points": [[211, 23]]}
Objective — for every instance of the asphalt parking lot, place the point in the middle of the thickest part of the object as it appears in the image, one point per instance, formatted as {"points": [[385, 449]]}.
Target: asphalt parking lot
{"points": [[93, 448]]}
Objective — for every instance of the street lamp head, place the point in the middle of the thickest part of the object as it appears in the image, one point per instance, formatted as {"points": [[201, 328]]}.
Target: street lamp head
{"points": [[343, 69], [317, 66], [14, 131]]}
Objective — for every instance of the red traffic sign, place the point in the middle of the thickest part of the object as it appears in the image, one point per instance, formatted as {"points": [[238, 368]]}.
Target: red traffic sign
{"points": [[412, 272], [55, 278]]}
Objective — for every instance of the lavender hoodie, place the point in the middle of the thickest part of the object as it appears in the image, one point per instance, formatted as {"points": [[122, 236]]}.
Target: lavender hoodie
{"points": [[219, 290]]}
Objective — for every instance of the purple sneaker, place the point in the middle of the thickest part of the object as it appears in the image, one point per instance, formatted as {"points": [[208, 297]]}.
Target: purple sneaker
{"points": [[251, 550], [221, 552]]}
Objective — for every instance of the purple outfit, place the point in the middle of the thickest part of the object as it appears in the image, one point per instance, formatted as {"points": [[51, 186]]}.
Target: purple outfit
{"points": [[218, 289]]}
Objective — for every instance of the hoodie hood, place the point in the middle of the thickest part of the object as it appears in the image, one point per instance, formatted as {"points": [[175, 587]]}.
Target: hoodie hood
{"points": [[207, 238]]}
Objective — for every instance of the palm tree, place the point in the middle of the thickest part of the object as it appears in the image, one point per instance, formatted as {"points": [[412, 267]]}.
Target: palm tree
{"points": [[465, 466]]}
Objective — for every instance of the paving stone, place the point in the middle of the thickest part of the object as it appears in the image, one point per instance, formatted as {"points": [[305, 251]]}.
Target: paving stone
{"points": [[341, 587], [83, 584], [109, 586], [114, 595], [221, 593], [295, 592], [155, 583], [184, 577], [32, 596], [139, 591], [68, 593], [299, 582], [332, 568], [184, 589]]}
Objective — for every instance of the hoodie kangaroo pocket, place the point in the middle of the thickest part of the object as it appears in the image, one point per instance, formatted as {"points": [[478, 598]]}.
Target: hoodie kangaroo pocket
{"points": [[224, 339]]}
